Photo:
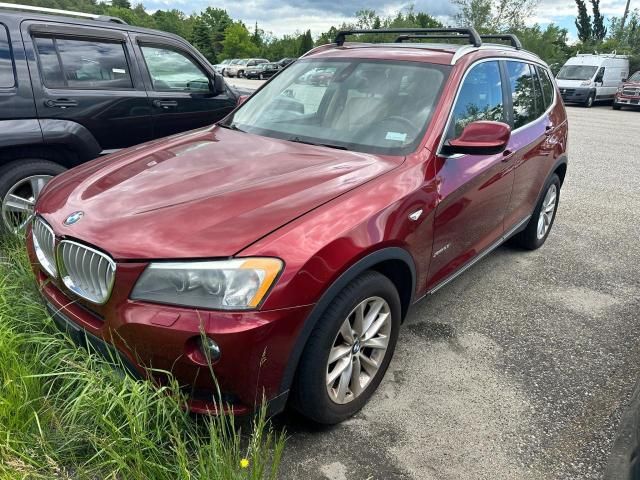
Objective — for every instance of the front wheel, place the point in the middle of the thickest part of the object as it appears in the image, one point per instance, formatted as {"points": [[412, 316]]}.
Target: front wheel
{"points": [[615, 106], [539, 226], [589, 102], [21, 182], [349, 351]]}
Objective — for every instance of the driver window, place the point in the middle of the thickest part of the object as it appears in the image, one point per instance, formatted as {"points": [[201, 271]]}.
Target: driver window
{"points": [[479, 98], [172, 71]]}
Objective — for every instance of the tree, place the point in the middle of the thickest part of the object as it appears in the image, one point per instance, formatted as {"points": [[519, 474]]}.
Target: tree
{"points": [[121, 4], [598, 31], [489, 16], [201, 39], [306, 43], [583, 22], [217, 20], [237, 42]]}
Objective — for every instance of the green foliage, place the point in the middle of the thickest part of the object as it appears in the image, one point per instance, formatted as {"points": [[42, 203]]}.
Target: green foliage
{"points": [[625, 39], [489, 16], [549, 44], [306, 43], [583, 22], [66, 413], [598, 30], [237, 42]]}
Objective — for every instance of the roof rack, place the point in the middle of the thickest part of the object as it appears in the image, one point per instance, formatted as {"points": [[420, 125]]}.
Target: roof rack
{"points": [[55, 11], [467, 32], [515, 41]]}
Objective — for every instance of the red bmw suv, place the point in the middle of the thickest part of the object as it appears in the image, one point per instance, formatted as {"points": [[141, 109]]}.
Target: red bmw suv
{"points": [[285, 244]]}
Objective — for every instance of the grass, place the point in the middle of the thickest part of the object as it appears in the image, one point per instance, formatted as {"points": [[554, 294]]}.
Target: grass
{"points": [[66, 413]]}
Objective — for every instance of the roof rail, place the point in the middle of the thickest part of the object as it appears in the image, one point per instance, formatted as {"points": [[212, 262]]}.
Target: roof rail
{"points": [[55, 11], [515, 41], [467, 32]]}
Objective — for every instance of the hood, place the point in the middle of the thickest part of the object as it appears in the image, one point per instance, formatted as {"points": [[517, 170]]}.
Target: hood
{"points": [[208, 193]]}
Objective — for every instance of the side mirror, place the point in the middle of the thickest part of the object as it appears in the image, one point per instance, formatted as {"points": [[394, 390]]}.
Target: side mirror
{"points": [[219, 86], [482, 137], [624, 80], [599, 79]]}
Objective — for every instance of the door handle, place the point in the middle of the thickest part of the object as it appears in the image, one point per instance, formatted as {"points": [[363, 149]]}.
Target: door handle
{"points": [[548, 130], [506, 155], [165, 103], [61, 103]]}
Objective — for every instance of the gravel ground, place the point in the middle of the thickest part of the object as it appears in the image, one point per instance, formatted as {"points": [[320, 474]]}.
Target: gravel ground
{"points": [[521, 367]]}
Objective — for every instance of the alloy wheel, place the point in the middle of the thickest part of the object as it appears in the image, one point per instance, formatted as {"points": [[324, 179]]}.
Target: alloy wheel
{"points": [[18, 205], [547, 211], [358, 350]]}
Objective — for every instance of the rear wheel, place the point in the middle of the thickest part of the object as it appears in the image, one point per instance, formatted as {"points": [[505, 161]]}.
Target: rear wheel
{"points": [[539, 226], [349, 351], [20, 185]]}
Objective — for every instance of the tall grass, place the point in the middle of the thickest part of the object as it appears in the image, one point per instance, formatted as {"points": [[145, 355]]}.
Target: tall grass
{"points": [[66, 413]]}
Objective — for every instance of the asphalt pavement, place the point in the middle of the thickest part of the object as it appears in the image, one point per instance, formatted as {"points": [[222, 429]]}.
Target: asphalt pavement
{"points": [[521, 367]]}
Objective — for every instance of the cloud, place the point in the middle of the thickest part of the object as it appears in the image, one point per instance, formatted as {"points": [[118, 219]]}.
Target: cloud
{"points": [[290, 16]]}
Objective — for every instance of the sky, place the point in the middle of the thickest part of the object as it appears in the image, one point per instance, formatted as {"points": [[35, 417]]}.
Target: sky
{"points": [[288, 16]]}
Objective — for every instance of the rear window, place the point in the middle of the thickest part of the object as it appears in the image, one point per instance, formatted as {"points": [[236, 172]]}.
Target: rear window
{"points": [[547, 87], [90, 64], [522, 93], [7, 78]]}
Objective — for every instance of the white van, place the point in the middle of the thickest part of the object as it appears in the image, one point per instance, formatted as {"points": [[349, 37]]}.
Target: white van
{"points": [[589, 78]]}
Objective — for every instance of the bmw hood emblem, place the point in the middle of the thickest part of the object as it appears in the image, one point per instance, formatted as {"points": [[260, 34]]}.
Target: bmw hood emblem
{"points": [[74, 218]]}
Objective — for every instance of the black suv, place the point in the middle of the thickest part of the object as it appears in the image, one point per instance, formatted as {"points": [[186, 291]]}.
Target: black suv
{"points": [[73, 89]]}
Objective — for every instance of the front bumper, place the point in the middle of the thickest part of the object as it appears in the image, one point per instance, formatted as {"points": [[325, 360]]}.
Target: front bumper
{"points": [[151, 338], [626, 100], [576, 94]]}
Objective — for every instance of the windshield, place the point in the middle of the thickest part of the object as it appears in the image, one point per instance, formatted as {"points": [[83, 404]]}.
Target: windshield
{"points": [[635, 77], [576, 72], [363, 105]]}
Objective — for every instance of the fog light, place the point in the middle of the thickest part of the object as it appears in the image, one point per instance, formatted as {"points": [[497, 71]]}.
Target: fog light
{"points": [[210, 349]]}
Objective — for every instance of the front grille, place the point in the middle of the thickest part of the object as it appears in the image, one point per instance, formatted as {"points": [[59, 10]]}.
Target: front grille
{"points": [[44, 245], [568, 91], [631, 91], [86, 272]]}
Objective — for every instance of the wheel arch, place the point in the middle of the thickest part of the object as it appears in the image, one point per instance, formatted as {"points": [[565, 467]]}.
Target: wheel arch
{"points": [[395, 263], [57, 153]]}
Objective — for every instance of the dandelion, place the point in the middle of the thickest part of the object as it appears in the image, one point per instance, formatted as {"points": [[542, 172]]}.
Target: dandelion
{"points": [[244, 463]]}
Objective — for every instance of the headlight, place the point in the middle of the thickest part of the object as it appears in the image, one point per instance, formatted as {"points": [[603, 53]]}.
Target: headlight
{"points": [[237, 284], [620, 89], [586, 83]]}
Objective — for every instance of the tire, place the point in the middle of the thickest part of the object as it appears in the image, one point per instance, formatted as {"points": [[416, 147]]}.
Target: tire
{"points": [[223, 72], [261, 77], [15, 173], [530, 238], [310, 394], [590, 100], [240, 74], [615, 106]]}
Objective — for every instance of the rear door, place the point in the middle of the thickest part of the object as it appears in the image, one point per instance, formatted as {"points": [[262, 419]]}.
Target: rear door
{"points": [[86, 80], [180, 86], [533, 138]]}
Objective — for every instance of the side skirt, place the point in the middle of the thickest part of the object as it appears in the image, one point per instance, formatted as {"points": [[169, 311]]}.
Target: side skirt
{"points": [[515, 229]]}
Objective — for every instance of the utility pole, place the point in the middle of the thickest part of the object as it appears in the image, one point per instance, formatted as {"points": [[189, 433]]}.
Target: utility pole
{"points": [[624, 17]]}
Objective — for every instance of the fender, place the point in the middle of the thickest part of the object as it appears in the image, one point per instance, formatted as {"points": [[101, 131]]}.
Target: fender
{"points": [[72, 134], [16, 133], [365, 263]]}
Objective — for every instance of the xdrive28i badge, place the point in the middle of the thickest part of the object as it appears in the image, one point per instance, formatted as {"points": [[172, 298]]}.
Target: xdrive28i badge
{"points": [[74, 218]]}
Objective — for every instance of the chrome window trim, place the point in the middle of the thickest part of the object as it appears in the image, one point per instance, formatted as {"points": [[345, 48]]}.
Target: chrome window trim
{"points": [[64, 274], [464, 77]]}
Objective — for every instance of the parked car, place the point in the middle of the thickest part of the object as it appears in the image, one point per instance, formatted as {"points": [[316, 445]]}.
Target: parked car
{"points": [[285, 62], [239, 69], [628, 93], [262, 71], [587, 78], [74, 89], [283, 247], [220, 67]]}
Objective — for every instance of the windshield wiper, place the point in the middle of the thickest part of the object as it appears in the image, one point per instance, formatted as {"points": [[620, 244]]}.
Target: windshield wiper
{"points": [[231, 126], [328, 145]]}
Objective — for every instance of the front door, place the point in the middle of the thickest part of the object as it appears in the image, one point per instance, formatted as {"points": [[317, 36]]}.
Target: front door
{"points": [[474, 190], [180, 88]]}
